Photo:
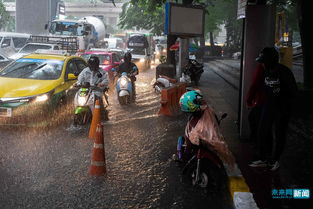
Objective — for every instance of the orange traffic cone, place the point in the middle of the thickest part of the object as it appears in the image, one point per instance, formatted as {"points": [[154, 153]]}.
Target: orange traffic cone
{"points": [[96, 119], [98, 166]]}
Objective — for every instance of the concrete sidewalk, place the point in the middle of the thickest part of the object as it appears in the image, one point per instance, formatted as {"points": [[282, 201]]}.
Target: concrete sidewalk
{"points": [[296, 164]]}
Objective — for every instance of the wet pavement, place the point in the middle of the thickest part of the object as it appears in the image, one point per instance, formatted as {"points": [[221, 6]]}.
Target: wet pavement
{"points": [[296, 168], [48, 168]]}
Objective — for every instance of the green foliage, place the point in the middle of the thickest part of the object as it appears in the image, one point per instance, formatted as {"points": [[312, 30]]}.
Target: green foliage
{"points": [[6, 20], [143, 14]]}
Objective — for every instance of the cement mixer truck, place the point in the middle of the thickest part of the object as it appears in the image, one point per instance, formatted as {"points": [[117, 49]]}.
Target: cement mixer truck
{"points": [[90, 31]]}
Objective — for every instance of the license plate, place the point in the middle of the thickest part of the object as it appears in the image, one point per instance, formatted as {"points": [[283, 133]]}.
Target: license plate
{"points": [[5, 112]]}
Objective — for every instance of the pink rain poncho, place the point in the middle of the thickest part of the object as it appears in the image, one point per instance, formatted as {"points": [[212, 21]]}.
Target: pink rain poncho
{"points": [[208, 130]]}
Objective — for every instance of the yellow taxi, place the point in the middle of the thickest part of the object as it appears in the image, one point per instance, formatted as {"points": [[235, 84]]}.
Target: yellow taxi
{"points": [[37, 83]]}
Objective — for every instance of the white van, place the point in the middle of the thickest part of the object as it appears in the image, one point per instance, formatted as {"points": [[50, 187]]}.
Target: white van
{"points": [[10, 43], [114, 43]]}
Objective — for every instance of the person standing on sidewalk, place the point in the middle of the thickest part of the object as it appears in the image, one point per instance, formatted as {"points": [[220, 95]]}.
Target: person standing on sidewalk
{"points": [[276, 91]]}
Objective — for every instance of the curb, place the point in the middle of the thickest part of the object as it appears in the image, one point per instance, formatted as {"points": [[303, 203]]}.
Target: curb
{"points": [[240, 192]]}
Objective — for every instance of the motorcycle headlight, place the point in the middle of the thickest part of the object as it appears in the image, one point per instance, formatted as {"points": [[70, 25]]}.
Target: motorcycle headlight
{"points": [[164, 50], [142, 60], [82, 101], [123, 82], [42, 98]]}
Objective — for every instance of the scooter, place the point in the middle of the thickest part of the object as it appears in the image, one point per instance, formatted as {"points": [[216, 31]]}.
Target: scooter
{"points": [[204, 168], [124, 89], [84, 102], [192, 72], [163, 82]]}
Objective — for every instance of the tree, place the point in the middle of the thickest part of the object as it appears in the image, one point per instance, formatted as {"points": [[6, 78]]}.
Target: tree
{"points": [[143, 14], [5, 18]]}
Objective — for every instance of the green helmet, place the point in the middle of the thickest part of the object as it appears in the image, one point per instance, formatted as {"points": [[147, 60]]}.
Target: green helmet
{"points": [[191, 101]]}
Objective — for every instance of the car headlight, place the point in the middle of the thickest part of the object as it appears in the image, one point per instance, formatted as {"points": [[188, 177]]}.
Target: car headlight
{"points": [[82, 101], [42, 98], [123, 82], [142, 60]]}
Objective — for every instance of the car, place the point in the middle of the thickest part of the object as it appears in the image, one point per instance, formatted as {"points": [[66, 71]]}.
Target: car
{"points": [[10, 42], [114, 43], [37, 83], [33, 47], [119, 52], [4, 61], [141, 57], [108, 60]]}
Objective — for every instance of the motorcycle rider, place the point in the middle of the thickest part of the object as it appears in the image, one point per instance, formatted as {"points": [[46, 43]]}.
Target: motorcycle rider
{"points": [[95, 77], [202, 124], [130, 68]]}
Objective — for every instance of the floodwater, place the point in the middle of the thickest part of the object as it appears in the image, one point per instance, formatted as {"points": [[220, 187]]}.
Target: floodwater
{"points": [[47, 167]]}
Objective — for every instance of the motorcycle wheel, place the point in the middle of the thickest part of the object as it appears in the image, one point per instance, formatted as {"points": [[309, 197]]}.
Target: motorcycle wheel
{"points": [[123, 100], [210, 176], [83, 118]]}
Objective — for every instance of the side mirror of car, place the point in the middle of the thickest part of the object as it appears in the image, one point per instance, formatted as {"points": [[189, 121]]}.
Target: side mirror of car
{"points": [[46, 26], [71, 76]]}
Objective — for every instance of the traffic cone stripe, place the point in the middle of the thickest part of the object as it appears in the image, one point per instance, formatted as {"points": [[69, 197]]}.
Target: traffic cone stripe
{"points": [[98, 167], [96, 119], [98, 163], [98, 146]]}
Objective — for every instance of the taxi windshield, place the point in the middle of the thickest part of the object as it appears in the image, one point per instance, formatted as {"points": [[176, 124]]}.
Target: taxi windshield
{"points": [[38, 69]]}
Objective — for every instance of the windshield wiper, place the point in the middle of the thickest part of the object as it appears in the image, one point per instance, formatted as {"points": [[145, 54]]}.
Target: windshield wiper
{"points": [[37, 68], [2, 74]]}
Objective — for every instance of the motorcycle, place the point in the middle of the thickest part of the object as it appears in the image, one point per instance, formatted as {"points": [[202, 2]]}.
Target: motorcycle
{"points": [[163, 82], [204, 168], [124, 89], [84, 103], [192, 72]]}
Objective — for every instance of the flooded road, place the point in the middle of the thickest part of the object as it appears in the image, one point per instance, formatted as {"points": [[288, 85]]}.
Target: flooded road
{"points": [[48, 168]]}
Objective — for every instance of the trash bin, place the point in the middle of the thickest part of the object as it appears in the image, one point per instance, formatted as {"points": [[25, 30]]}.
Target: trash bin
{"points": [[165, 69]]}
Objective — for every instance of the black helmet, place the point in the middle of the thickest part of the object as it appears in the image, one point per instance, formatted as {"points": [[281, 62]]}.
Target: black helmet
{"points": [[268, 55], [93, 62], [127, 57]]}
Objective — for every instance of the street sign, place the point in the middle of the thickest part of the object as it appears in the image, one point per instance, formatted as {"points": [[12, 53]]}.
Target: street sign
{"points": [[187, 21]]}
